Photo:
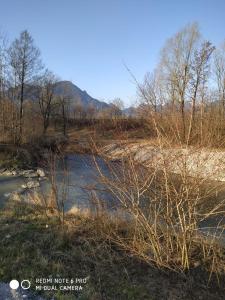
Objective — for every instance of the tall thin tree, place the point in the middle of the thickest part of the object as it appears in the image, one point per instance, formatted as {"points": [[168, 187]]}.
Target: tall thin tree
{"points": [[46, 97], [25, 63]]}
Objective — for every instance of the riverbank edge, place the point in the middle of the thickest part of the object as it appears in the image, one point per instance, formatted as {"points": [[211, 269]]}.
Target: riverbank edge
{"points": [[195, 162]]}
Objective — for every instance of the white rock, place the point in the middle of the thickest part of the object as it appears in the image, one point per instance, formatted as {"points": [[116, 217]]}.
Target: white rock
{"points": [[40, 172], [32, 184], [6, 195]]}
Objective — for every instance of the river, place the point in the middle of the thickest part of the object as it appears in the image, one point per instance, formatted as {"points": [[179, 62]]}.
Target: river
{"points": [[79, 175]]}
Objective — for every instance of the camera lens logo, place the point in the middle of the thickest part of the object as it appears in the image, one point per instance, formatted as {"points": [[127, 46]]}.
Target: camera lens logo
{"points": [[25, 284], [14, 284]]}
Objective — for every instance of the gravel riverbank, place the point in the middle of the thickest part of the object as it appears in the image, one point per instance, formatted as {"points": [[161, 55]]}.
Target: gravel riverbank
{"points": [[204, 163]]}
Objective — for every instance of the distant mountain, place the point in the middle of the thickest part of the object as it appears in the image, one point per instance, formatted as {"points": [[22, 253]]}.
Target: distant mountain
{"points": [[74, 94], [77, 95], [66, 88]]}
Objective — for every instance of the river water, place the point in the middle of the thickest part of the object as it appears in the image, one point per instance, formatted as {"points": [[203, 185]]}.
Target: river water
{"points": [[76, 180], [9, 184], [78, 173]]}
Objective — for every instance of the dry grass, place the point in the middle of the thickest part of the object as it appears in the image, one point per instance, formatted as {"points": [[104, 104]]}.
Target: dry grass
{"points": [[87, 246], [166, 212]]}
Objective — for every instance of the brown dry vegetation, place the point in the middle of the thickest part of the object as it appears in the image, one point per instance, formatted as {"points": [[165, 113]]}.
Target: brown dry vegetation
{"points": [[87, 246]]}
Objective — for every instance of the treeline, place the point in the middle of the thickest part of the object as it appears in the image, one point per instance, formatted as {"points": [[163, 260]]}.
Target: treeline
{"points": [[181, 100], [184, 97], [28, 102]]}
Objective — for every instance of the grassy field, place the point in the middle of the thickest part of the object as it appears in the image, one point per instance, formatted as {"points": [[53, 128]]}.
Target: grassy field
{"points": [[34, 244]]}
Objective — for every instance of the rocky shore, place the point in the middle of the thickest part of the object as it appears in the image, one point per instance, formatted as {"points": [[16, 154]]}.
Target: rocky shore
{"points": [[32, 179]]}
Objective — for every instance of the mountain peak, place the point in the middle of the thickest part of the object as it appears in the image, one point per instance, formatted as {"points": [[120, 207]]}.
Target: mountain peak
{"points": [[76, 94]]}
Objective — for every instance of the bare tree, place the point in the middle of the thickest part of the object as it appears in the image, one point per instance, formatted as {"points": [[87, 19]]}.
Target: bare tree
{"points": [[219, 70], [78, 109], [199, 75], [175, 62], [3, 70], [3, 65], [25, 63], [46, 97], [116, 108], [91, 111], [150, 91], [64, 105]]}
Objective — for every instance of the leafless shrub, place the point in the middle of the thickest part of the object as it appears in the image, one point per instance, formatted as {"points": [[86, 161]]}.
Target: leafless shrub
{"points": [[55, 199], [164, 212]]}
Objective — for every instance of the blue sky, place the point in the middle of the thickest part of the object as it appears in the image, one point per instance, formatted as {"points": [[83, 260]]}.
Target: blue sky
{"points": [[88, 41]]}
